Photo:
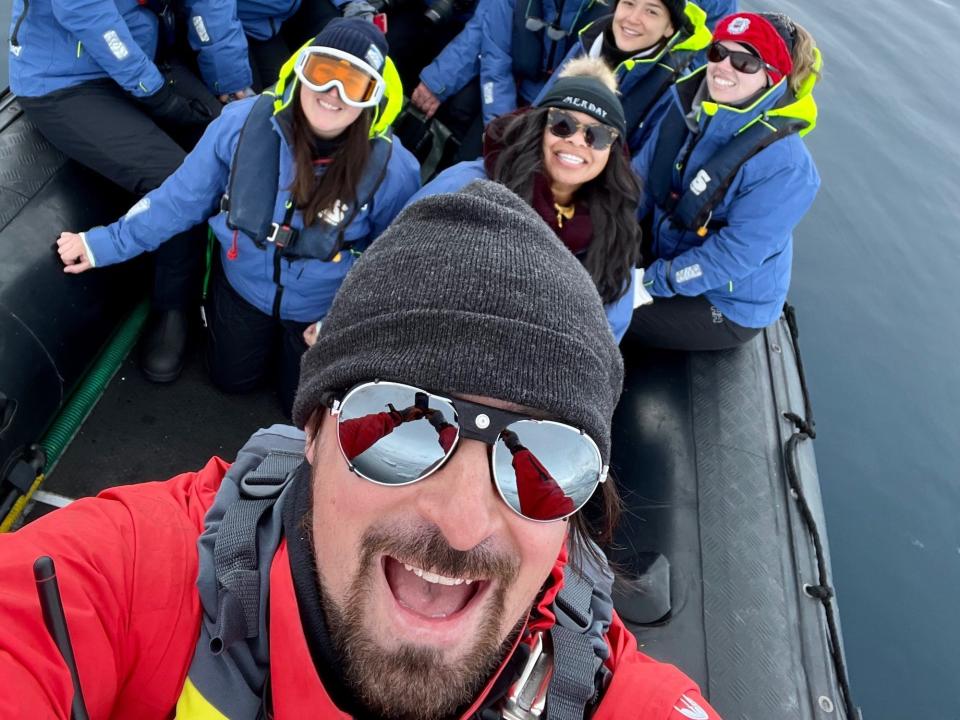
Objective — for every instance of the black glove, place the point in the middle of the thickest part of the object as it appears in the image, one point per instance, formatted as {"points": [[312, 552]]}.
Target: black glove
{"points": [[406, 415], [166, 104], [435, 418], [512, 442]]}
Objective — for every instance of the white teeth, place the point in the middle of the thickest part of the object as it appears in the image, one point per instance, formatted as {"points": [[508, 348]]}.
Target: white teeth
{"points": [[434, 578], [571, 158], [723, 82], [328, 106]]}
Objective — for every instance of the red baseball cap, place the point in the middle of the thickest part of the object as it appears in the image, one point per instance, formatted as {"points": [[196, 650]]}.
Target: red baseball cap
{"points": [[757, 32]]}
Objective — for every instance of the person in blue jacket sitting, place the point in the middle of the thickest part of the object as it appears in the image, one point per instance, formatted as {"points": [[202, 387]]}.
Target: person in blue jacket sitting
{"points": [[566, 159], [295, 186], [649, 44], [727, 178], [99, 80], [522, 43]]}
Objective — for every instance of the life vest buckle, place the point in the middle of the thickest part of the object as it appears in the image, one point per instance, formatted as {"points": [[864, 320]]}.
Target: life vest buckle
{"points": [[527, 697], [281, 235]]}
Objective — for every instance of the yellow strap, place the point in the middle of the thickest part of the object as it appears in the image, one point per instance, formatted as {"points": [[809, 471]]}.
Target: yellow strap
{"points": [[20, 504], [193, 706]]}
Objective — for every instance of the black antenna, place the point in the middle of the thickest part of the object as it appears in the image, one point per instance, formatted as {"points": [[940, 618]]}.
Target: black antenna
{"points": [[51, 604]]}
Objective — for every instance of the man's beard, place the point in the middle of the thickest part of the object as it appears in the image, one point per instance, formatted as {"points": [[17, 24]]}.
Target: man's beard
{"points": [[413, 682]]}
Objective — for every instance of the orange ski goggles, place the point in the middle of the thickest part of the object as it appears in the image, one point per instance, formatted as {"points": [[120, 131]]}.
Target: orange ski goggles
{"points": [[322, 68]]}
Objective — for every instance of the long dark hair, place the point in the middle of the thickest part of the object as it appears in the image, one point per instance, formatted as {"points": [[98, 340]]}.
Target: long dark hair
{"points": [[340, 180], [613, 197]]}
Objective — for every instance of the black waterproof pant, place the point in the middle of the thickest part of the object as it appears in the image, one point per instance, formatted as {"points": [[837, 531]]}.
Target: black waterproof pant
{"points": [[686, 323], [245, 345], [99, 125]]}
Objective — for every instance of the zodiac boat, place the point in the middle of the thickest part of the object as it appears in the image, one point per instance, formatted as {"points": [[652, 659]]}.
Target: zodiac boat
{"points": [[723, 559]]}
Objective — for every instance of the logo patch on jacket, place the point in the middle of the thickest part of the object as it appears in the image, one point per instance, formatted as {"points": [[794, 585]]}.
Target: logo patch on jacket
{"points": [[115, 44], [335, 215], [686, 274], [700, 182], [689, 709], [201, 29]]}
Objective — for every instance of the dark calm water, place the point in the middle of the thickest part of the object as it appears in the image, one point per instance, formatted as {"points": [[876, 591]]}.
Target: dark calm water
{"points": [[876, 286]]}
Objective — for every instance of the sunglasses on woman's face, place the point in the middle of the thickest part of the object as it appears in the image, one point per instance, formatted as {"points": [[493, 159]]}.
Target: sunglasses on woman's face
{"points": [[395, 434], [741, 61], [563, 125]]}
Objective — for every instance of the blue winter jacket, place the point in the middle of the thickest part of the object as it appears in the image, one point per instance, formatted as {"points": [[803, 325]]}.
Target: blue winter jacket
{"points": [[678, 58], [462, 174], [716, 9], [459, 62], [192, 195], [498, 83], [61, 43], [262, 19], [743, 268]]}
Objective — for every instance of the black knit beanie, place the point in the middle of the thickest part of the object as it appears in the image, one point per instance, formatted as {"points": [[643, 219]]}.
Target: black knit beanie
{"points": [[588, 95], [356, 36], [471, 293]]}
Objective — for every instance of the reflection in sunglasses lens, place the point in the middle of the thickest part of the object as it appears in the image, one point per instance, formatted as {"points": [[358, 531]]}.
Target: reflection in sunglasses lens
{"points": [[391, 436], [545, 470]]}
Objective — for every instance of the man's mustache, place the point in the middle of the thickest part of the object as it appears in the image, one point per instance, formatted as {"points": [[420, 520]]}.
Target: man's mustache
{"points": [[428, 549]]}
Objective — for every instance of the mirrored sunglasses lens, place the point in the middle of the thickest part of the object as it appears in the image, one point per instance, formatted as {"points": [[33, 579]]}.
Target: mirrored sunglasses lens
{"points": [[395, 434], [545, 470]]}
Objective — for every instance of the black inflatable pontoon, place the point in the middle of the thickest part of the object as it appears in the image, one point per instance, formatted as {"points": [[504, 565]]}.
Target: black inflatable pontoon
{"points": [[51, 326], [719, 541], [721, 574]]}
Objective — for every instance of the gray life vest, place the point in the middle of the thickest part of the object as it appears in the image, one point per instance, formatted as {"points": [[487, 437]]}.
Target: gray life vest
{"points": [[242, 531], [255, 181]]}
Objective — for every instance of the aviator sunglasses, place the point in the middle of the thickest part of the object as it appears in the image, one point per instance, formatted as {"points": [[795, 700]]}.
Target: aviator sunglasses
{"points": [[322, 68], [395, 434], [563, 125], [741, 61]]}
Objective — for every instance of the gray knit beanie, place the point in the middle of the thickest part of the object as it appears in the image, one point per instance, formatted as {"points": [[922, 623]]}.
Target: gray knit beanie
{"points": [[471, 293]]}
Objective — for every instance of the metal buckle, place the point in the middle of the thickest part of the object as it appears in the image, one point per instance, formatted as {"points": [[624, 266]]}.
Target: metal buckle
{"points": [[280, 235], [527, 697]]}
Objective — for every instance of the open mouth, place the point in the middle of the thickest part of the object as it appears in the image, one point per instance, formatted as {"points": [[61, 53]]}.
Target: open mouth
{"points": [[430, 595]]}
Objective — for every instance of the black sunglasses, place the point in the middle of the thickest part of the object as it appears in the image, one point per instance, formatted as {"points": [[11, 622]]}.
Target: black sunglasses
{"points": [[597, 135], [395, 434], [741, 61]]}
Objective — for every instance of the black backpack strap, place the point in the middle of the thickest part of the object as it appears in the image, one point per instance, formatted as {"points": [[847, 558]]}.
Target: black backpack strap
{"points": [[575, 659], [673, 132], [235, 550]]}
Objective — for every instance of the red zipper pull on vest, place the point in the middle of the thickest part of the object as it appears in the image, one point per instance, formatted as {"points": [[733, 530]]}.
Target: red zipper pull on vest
{"points": [[234, 250]]}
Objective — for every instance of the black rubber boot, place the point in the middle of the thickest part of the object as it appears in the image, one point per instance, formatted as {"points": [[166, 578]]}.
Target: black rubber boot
{"points": [[164, 346]]}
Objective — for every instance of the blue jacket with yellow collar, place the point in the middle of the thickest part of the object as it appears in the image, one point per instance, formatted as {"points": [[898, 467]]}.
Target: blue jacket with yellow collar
{"points": [[292, 288], [741, 262]]}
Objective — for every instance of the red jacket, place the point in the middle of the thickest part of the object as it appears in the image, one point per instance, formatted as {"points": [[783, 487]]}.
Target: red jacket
{"points": [[540, 496], [127, 565]]}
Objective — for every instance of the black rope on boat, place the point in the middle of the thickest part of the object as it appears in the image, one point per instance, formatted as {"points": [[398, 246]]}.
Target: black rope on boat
{"points": [[823, 591]]}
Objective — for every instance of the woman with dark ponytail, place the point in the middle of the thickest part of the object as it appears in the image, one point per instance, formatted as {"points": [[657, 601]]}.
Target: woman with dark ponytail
{"points": [[298, 183], [566, 158]]}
